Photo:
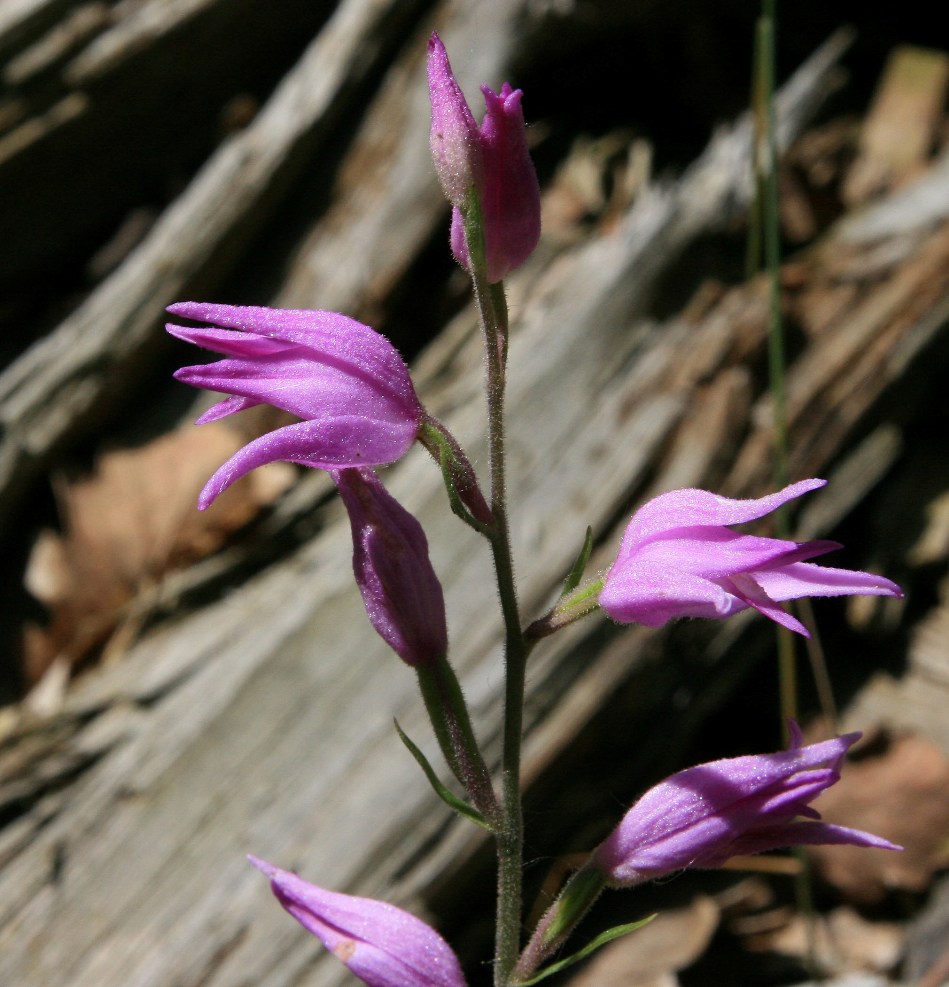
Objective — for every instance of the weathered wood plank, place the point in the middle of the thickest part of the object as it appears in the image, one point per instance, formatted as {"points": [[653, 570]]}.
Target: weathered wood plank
{"points": [[68, 379]]}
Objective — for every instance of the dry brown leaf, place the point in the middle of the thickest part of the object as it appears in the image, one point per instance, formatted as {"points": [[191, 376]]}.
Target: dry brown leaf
{"points": [[901, 794], [127, 525]]}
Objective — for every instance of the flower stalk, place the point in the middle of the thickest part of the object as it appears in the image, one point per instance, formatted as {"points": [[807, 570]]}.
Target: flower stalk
{"points": [[464, 494], [510, 837], [451, 723]]}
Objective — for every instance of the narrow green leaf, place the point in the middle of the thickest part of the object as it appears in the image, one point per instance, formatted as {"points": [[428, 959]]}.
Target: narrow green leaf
{"points": [[576, 573], [459, 805], [601, 940]]}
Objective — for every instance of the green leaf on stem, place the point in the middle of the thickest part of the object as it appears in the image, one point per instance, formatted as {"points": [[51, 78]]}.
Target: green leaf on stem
{"points": [[576, 572], [601, 940], [450, 799], [454, 499], [453, 469]]}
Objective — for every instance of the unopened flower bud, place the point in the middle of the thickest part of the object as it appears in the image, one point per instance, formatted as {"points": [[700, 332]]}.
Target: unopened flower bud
{"points": [[454, 139], [492, 159], [402, 594]]}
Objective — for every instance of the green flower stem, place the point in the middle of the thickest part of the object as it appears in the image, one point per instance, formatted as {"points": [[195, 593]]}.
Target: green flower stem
{"points": [[448, 712], [492, 310], [767, 184], [770, 239]]}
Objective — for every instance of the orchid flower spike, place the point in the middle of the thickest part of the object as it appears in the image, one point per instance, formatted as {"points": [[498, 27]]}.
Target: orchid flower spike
{"points": [[705, 815], [678, 558], [492, 159], [382, 945], [347, 383], [402, 594]]}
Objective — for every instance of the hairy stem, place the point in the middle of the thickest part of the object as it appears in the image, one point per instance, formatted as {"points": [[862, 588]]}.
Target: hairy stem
{"points": [[492, 310]]}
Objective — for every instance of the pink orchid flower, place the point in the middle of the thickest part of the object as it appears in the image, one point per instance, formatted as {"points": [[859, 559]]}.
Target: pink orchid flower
{"points": [[703, 816], [347, 383], [679, 558]]}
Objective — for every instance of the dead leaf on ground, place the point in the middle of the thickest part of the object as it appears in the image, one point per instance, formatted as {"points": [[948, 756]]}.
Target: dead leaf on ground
{"points": [[124, 527]]}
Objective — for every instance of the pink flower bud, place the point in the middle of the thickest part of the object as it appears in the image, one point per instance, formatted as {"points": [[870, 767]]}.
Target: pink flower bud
{"points": [[382, 945], [494, 159], [703, 816], [454, 139], [678, 558], [402, 594], [347, 382]]}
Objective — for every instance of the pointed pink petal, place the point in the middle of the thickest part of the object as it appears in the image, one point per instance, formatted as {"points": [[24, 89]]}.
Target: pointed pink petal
{"points": [[746, 586], [805, 833], [310, 385], [715, 552], [719, 784], [226, 407], [791, 798], [331, 444], [228, 342], [335, 340], [295, 325], [795, 735], [791, 582], [685, 508]]}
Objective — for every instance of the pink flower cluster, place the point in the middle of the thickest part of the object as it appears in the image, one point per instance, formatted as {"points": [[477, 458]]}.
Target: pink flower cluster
{"points": [[698, 818], [359, 410], [679, 557]]}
